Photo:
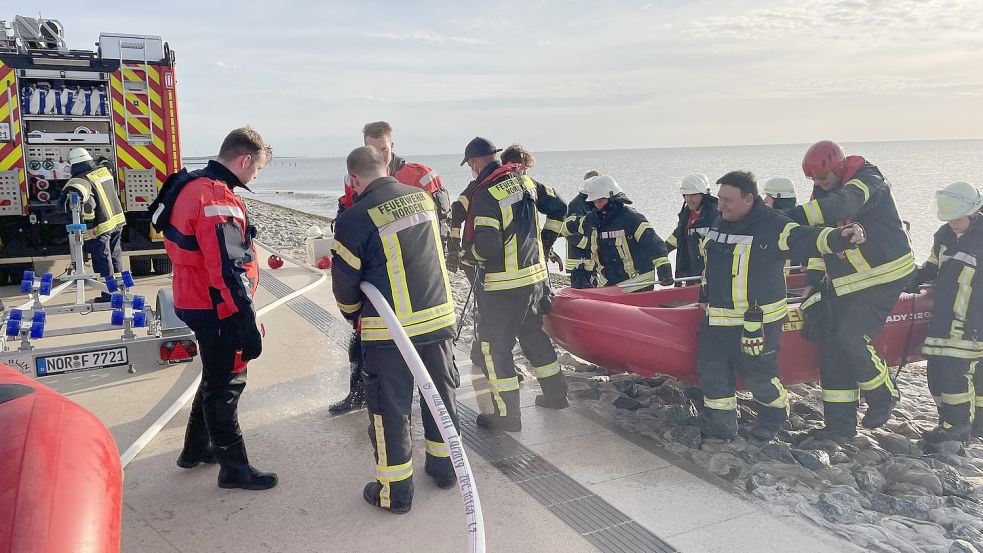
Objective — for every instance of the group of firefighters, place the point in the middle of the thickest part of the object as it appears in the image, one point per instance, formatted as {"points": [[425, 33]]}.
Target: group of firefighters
{"points": [[397, 231]]}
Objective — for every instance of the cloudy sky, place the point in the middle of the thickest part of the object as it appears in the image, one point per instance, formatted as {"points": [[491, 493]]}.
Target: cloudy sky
{"points": [[559, 75]]}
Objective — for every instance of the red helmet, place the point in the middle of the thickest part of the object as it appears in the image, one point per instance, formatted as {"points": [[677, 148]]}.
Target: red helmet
{"points": [[821, 158]]}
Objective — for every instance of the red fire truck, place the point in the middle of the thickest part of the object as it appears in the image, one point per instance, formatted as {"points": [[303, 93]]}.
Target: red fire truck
{"points": [[119, 102]]}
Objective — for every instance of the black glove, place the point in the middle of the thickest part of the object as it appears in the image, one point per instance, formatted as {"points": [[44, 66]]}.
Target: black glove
{"points": [[241, 333], [665, 275], [453, 254]]}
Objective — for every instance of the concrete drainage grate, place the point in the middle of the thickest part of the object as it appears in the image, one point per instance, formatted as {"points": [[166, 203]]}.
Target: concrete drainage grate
{"points": [[595, 519]]}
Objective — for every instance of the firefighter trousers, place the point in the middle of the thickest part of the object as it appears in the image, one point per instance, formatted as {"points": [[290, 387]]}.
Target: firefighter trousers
{"points": [[389, 389], [214, 411], [106, 253], [720, 360], [849, 365], [957, 386], [503, 317]]}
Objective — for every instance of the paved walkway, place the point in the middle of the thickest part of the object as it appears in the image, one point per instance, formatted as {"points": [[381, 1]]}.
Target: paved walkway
{"points": [[323, 463]]}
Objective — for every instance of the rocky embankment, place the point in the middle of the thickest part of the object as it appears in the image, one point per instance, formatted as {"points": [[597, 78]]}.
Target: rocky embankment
{"points": [[884, 490]]}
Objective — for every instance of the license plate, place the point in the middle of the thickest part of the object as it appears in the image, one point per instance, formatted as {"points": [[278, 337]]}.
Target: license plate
{"points": [[87, 361]]}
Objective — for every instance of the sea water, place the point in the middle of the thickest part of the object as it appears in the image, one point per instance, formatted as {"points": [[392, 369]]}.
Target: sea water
{"points": [[649, 176]]}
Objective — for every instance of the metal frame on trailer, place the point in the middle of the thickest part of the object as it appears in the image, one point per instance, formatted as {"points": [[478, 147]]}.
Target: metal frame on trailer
{"points": [[129, 311]]}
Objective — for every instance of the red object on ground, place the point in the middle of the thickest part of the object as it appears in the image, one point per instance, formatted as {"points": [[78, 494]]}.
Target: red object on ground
{"points": [[62, 484], [652, 333], [274, 262], [324, 262]]}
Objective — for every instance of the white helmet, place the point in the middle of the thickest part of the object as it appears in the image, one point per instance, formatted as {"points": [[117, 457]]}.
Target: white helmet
{"points": [[959, 199], [779, 187], [697, 183], [78, 155], [603, 186]]}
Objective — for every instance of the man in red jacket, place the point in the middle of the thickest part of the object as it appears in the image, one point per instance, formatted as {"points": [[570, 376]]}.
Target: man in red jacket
{"points": [[210, 241], [380, 135]]}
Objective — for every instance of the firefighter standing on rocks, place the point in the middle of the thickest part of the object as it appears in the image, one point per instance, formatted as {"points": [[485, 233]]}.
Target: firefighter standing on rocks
{"points": [[862, 285], [502, 239], [698, 212], [628, 251], [390, 237], [954, 346], [210, 241], [380, 135], [744, 296], [578, 253]]}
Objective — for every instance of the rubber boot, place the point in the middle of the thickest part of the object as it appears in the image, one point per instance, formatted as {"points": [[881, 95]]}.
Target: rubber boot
{"points": [[443, 480], [770, 421], [511, 422], [371, 494], [236, 472], [356, 396], [833, 433], [197, 446], [719, 424], [954, 433], [878, 413], [554, 394]]}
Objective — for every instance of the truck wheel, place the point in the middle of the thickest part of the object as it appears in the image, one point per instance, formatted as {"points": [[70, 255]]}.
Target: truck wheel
{"points": [[140, 266], [163, 265]]}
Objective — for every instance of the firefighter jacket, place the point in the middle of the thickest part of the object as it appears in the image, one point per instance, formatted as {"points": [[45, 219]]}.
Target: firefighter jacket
{"points": [[626, 247], [956, 327], [209, 240], [548, 203], [578, 252], [411, 174], [687, 237], [745, 263], [390, 238], [501, 231], [865, 198], [102, 211]]}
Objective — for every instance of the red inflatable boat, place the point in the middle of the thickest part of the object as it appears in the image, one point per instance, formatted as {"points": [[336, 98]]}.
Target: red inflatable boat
{"points": [[60, 475], [655, 332]]}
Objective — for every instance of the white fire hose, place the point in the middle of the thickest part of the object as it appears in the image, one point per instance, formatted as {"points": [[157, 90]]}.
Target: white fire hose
{"points": [[462, 468]]}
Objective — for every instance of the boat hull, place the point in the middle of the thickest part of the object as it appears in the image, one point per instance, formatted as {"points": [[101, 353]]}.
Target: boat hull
{"points": [[655, 332], [61, 484]]}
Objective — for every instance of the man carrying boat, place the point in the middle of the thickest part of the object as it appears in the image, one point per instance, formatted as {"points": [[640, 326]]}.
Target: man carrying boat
{"points": [[210, 241], [548, 202], [579, 264], [390, 237], [629, 252], [502, 239], [745, 296], [698, 211], [954, 346], [380, 135], [862, 285]]}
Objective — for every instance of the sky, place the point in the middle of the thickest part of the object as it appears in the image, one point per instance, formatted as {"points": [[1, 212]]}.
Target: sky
{"points": [[558, 75]]}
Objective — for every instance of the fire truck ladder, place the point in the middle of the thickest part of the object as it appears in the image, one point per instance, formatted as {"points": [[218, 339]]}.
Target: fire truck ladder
{"points": [[132, 89]]}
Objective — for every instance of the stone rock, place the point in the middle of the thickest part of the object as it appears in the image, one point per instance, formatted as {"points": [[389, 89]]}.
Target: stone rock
{"points": [[670, 394], [588, 394], [760, 480], [950, 517], [778, 451], [953, 483], [687, 435], [890, 505], [963, 546], [841, 508], [791, 474], [870, 480], [967, 533], [905, 470], [893, 443], [837, 476], [600, 378], [726, 465], [807, 411], [797, 423], [811, 459], [840, 458], [628, 403], [829, 446], [967, 505], [945, 448], [654, 381], [627, 387]]}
